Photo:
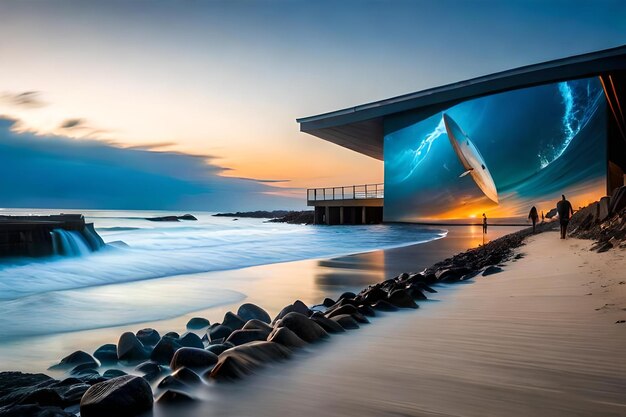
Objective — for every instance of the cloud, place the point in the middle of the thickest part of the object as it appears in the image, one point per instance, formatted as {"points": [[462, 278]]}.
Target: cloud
{"points": [[49, 171], [27, 99], [72, 123]]}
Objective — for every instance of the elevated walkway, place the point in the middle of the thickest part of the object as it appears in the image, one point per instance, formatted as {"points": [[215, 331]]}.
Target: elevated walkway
{"points": [[353, 204]]}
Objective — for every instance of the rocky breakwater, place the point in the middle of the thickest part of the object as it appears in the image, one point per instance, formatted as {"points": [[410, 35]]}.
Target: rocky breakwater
{"points": [[603, 221], [145, 368]]}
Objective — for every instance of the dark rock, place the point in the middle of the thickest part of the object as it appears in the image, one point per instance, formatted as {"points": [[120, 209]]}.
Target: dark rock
{"points": [[113, 373], [130, 349], [242, 360], [84, 369], [173, 335], [255, 324], [191, 340], [491, 270], [300, 307], [470, 275], [374, 294], [186, 376], [198, 323], [170, 382], [74, 393], [345, 309], [301, 325], [402, 299], [124, 396], [384, 305], [603, 247], [31, 410], [426, 288], [148, 337], [233, 321], [416, 292], [239, 337], [328, 302], [77, 358], [219, 332], [187, 217], [193, 358], [149, 368], [360, 318], [172, 396], [366, 310], [327, 324], [218, 349], [43, 396], [106, 353], [346, 321], [451, 274], [164, 351], [347, 294], [250, 311], [286, 337]]}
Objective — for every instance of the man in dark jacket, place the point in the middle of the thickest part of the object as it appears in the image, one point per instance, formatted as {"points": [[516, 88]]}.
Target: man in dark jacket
{"points": [[565, 211]]}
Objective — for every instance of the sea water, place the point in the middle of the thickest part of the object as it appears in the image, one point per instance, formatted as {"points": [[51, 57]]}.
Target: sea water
{"points": [[129, 280]]}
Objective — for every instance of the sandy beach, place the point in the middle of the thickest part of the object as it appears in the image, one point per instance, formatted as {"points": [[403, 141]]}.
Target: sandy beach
{"points": [[539, 339]]}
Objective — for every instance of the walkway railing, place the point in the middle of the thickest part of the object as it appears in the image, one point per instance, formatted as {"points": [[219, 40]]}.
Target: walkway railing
{"points": [[350, 192]]}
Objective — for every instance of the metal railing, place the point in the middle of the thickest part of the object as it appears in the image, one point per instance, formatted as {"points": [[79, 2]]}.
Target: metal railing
{"points": [[350, 192]]}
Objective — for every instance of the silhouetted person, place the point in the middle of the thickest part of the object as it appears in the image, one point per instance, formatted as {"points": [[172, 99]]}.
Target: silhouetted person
{"points": [[533, 216], [542, 217], [484, 224], [565, 211]]}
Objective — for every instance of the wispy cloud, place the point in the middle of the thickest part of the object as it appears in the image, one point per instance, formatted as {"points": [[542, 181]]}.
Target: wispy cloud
{"points": [[25, 99]]}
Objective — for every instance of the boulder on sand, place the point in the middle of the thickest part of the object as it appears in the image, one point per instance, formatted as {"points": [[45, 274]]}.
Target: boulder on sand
{"points": [[250, 311], [285, 337], [164, 351], [124, 396], [193, 358], [346, 321], [304, 327], [327, 324], [402, 299], [345, 309], [148, 337], [77, 358], [239, 337], [191, 340], [233, 321], [129, 348], [255, 324], [242, 360], [198, 323], [218, 331], [219, 348], [106, 353]]}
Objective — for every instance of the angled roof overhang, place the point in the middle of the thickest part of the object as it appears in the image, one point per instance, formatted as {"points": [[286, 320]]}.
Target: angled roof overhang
{"points": [[360, 128]]}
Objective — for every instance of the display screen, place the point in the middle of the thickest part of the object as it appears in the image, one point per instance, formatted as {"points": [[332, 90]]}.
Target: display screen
{"points": [[499, 155]]}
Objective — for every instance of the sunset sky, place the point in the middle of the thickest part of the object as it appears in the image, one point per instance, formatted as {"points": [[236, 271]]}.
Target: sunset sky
{"points": [[225, 81]]}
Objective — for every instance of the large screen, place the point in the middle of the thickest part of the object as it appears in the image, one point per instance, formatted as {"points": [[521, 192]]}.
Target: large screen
{"points": [[499, 155]]}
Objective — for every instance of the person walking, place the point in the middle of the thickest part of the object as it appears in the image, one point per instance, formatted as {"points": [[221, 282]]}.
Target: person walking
{"points": [[533, 216], [565, 211]]}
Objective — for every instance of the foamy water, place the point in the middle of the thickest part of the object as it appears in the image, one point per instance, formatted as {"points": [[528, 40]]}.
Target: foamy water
{"points": [[60, 294]]}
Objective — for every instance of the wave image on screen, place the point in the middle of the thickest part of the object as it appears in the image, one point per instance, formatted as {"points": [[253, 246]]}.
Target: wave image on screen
{"points": [[499, 155]]}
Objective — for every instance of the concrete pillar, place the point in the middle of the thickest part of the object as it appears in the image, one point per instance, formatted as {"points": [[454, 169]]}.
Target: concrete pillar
{"points": [[327, 214], [340, 215], [363, 215]]}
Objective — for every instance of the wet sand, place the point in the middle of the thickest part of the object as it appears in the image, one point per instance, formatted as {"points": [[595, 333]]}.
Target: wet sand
{"points": [[538, 339], [270, 286]]}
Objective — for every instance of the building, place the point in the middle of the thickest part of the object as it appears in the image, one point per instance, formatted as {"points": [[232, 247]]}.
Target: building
{"points": [[508, 141]]}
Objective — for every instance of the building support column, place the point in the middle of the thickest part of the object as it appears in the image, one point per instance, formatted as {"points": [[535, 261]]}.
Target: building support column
{"points": [[340, 215], [363, 215], [327, 215]]}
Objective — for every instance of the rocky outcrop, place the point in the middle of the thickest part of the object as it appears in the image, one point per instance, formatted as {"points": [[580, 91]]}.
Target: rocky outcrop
{"points": [[125, 396]]}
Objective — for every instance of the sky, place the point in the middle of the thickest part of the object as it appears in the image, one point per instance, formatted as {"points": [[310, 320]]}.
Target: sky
{"points": [[158, 84]]}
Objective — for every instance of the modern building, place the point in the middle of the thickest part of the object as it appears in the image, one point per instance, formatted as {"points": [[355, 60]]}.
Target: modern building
{"points": [[535, 132]]}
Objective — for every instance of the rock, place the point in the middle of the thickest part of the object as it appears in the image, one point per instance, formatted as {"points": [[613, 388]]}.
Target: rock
{"points": [[360, 318], [452, 274], [149, 367], [491, 270], [173, 335], [32, 410], [191, 340], [551, 213], [285, 337], [384, 305], [77, 358], [255, 324], [219, 331], [148, 337], [198, 323], [242, 360], [603, 247], [301, 325], [618, 201], [113, 373], [74, 393], [603, 210], [346, 321], [124, 396], [164, 351], [300, 307], [43, 397], [85, 368], [402, 299], [250, 311], [345, 309], [170, 382], [187, 217], [172, 396], [106, 353], [328, 302], [193, 358], [233, 321], [366, 310], [239, 337], [186, 376], [327, 324], [130, 349], [347, 294], [374, 294], [416, 292], [218, 349]]}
